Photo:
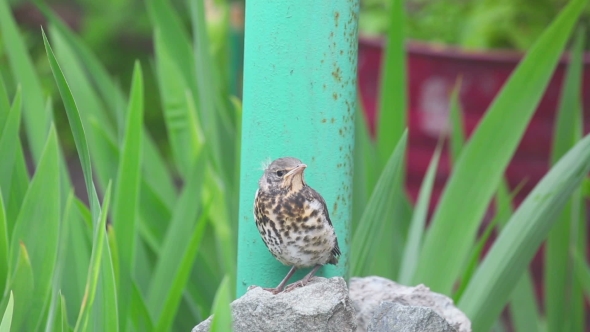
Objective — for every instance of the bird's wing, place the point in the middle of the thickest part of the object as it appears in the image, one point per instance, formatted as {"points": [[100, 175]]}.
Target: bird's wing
{"points": [[314, 195]]}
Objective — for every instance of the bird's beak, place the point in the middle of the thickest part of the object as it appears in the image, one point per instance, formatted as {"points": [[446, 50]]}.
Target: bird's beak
{"points": [[298, 169]]}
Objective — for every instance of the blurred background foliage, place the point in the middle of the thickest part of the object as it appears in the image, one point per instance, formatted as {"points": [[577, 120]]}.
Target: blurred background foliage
{"points": [[472, 24], [154, 84], [119, 32]]}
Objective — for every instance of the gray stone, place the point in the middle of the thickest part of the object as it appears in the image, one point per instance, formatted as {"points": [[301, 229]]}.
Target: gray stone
{"points": [[322, 305], [396, 317], [368, 293]]}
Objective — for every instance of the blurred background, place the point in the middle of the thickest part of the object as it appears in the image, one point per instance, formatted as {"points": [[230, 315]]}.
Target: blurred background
{"points": [[472, 44], [453, 46]]}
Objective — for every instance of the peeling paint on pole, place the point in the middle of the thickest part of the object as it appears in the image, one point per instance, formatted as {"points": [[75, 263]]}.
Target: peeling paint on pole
{"points": [[299, 100]]}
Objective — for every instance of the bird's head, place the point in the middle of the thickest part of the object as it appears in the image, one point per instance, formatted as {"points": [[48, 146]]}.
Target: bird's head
{"points": [[283, 174]]}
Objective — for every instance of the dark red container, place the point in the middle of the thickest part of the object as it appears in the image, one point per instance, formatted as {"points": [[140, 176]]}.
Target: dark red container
{"points": [[432, 74]]}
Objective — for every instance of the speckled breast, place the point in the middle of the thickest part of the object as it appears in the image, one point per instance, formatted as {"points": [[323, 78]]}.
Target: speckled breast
{"points": [[294, 228]]}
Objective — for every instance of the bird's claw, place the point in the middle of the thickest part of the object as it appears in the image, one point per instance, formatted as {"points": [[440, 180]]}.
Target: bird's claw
{"points": [[274, 291], [297, 284]]}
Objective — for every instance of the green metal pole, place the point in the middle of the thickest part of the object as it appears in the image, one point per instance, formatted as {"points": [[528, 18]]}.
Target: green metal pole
{"points": [[299, 100]]}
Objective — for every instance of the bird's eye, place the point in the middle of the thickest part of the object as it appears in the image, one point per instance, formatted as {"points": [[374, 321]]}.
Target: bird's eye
{"points": [[280, 173]]}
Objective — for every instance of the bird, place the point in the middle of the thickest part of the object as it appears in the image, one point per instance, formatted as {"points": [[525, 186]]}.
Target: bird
{"points": [[293, 221]]}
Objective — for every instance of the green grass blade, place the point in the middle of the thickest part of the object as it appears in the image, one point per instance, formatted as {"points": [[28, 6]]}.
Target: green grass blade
{"points": [[363, 174], [391, 122], [376, 213], [222, 318], [457, 139], [21, 283], [79, 83], [178, 121], [54, 315], [524, 310], [4, 104], [93, 110], [139, 311], [488, 152], [156, 171], [79, 244], [523, 306], [39, 219], [220, 219], [175, 247], [77, 129], [105, 149], [178, 282], [503, 214], [393, 93], [210, 103], [3, 247], [95, 265], [114, 251], [579, 230], [492, 284], [37, 120], [18, 188], [7, 317], [175, 40], [567, 115], [8, 145], [154, 217], [105, 313], [418, 224], [126, 199], [582, 272], [558, 267], [61, 316], [112, 96]]}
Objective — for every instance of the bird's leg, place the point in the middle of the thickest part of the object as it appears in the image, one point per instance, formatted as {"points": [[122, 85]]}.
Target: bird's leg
{"points": [[305, 279], [280, 287]]}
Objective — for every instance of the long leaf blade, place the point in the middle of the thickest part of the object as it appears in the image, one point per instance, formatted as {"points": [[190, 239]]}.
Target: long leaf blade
{"points": [[125, 205], [37, 119], [3, 246], [76, 127], [176, 244], [95, 265], [8, 137], [39, 219], [222, 318], [417, 225], [558, 264], [483, 160], [7, 317], [506, 261], [377, 212], [393, 91]]}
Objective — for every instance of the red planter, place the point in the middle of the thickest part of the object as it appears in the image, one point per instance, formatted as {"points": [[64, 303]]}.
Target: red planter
{"points": [[432, 73]]}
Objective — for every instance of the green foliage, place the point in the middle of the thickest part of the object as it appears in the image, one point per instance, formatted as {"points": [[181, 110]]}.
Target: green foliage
{"points": [[162, 257], [132, 266], [484, 24], [563, 238], [488, 153], [7, 317], [221, 321], [449, 253]]}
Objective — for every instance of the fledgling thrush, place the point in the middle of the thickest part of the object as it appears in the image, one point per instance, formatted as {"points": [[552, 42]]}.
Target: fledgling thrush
{"points": [[293, 221]]}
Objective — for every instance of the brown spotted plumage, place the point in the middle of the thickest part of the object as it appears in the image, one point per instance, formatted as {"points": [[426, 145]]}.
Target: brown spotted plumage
{"points": [[293, 220]]}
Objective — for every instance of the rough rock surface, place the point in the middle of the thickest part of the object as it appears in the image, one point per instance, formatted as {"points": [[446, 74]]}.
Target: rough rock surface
{"points": [[368, 293], [396, 317], [322, 305]]}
